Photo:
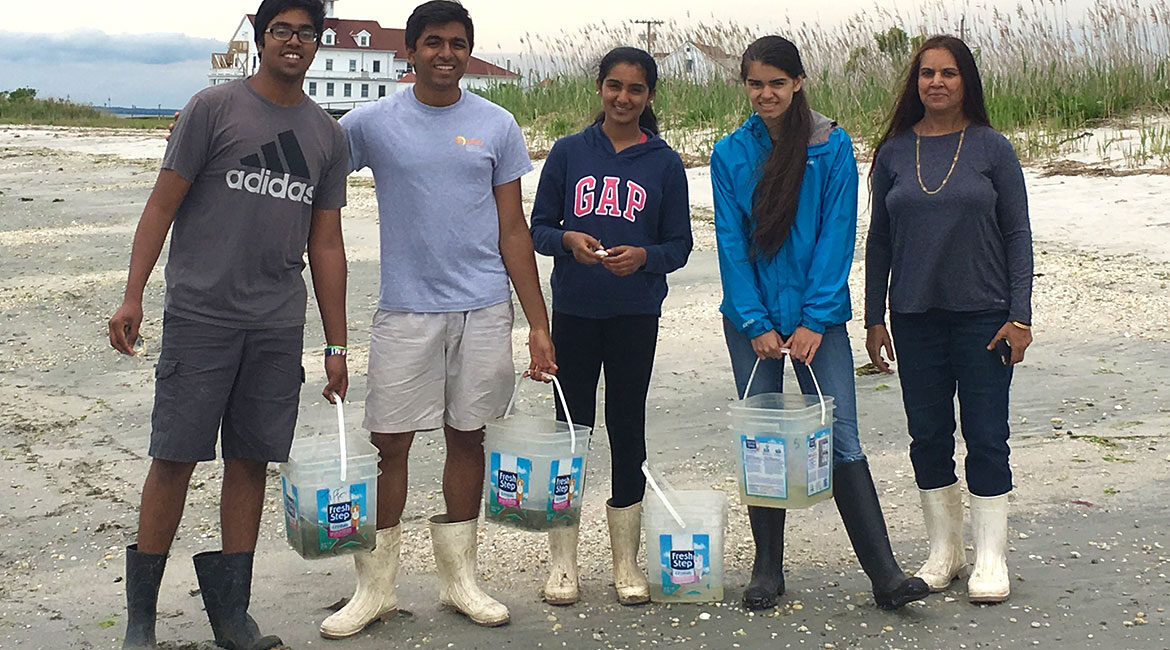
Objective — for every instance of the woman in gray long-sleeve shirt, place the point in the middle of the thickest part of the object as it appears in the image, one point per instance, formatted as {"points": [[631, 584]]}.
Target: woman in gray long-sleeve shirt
{"points": [[950, 244]]}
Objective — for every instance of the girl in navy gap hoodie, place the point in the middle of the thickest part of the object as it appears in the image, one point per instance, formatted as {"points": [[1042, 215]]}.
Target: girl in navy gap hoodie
{"points": [[612, 209]]}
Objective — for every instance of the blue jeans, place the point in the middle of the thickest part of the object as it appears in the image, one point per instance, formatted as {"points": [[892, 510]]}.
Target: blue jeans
{"points": [[833, 365], [938, 352]]}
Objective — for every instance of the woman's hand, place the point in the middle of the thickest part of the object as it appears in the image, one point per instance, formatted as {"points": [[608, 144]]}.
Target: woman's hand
{"points": [[624, 260], [803, 345], [583, 246], [876, 338], [1017, 337], [768, 345]]}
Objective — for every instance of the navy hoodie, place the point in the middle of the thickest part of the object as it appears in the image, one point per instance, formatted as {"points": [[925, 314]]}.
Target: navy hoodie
{"points": [[637, 197]]}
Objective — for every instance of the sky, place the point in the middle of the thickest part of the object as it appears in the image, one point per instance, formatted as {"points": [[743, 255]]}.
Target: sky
{"points": [[148, 53]]}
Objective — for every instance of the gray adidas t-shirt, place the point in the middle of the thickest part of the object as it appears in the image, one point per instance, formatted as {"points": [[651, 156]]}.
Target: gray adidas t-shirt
{"points": [[257, 171], [434, 172]]}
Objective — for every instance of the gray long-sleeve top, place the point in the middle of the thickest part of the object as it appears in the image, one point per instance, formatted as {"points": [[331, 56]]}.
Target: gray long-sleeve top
{"points": [[966, 248]]}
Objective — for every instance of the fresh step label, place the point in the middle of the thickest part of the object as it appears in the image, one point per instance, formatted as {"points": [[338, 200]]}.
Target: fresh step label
{"points": [[292, 506], [509, 479], [684, 560], [340, 509], [765, 466], [564, 482], [820, 461]]}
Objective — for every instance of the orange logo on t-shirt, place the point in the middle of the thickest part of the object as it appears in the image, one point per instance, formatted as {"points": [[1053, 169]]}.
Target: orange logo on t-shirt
{"points": [[463, 142]]}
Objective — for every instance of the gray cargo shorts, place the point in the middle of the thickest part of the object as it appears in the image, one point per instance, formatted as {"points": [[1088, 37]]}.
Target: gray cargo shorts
{"points": [[243, 384]]}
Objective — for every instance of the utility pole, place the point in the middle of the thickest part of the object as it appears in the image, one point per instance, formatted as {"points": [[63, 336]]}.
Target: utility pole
{"points": [[649, 33]]}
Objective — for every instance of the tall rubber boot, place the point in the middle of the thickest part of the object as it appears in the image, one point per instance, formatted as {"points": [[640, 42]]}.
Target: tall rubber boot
{"points": [[989, 582], [767, 583], [144, 572], [375, 598], [455, 550], [857, 502], [561, 588], [225, 581], [625, 537], [943, 510]]}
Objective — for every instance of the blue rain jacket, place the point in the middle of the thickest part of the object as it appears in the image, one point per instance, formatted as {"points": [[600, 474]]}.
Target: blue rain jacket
{"points": [[806, 282]]}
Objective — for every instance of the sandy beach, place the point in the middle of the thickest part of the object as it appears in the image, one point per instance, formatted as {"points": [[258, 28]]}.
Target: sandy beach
{"points": [[1090, 415]]}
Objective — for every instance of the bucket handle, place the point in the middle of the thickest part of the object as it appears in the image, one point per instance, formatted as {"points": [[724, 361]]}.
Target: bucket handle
{"points": [[661, 496], [816, 383], [341, 437], [564, 406]]}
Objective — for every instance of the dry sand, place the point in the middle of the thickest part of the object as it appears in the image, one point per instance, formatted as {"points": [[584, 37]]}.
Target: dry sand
{"points": [[1088, 522]]}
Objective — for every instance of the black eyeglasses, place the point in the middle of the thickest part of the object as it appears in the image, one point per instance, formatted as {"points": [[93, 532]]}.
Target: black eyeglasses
{"points": [[284, 32]]}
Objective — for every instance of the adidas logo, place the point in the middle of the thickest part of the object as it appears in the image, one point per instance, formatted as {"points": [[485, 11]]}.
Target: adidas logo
{"points": [[274, 175]]}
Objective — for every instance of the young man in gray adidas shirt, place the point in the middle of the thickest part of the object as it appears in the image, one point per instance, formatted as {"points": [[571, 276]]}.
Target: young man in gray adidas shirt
{"points": [[447, 167], [254, 175]]}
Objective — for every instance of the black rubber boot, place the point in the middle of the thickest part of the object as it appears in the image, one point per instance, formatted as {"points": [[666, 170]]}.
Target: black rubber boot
{"points": [[226, 584], [857, 502], [144, 572], [767, 583]]}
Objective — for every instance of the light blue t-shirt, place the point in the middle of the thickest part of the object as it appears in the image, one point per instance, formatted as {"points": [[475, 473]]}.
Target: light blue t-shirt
{"points": [[434, 170]]}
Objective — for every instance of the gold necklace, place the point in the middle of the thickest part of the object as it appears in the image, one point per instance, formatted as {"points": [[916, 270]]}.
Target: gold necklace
{"points": [[918, 161]]}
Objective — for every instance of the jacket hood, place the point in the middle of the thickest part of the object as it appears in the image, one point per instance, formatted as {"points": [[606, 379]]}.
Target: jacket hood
{"points": [[822, 128], [599, 141]]}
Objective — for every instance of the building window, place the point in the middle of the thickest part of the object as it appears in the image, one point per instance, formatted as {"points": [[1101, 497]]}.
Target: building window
{"points": [[347, 90], [328, 64], [312, 88], [381, 90], [364, 40], [365, 90], [377, 66], [353, 65], [327, 38], [329, 89]]}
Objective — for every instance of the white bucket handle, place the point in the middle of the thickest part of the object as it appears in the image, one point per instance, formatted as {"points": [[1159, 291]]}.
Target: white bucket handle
{"points": [[341, 437], [816, 383], [662, 497], [564, 406]]}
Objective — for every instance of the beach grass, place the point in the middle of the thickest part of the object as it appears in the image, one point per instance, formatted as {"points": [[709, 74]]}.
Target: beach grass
{"points": [[22, 106], [1048, 73]]}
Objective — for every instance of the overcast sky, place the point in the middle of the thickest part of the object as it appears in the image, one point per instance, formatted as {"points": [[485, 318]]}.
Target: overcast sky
{"points": [[148, 52]]}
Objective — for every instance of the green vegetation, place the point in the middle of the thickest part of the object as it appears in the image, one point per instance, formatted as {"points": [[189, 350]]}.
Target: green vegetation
{"points": [[21, 106], [1048, 75]]}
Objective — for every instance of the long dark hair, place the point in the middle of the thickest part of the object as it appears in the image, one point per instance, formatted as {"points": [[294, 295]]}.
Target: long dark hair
{"points": [[778, 190], [909, 109], [642, 59]]}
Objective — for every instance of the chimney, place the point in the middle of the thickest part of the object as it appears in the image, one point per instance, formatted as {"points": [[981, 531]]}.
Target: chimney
{"points": [[329, 9]]}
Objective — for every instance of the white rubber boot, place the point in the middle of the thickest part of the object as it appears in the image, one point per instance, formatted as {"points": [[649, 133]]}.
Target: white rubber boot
{"points": [[561, 588], [989, 582], [625, 537], [455, 547], [943, 510], [374, 598]]}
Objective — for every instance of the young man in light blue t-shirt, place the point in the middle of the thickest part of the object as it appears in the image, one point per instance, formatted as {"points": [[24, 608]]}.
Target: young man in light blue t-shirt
{"points": [[447, 167]]}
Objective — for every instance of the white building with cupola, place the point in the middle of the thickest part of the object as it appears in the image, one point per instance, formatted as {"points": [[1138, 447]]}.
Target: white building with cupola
{"points": [[357, 61]]}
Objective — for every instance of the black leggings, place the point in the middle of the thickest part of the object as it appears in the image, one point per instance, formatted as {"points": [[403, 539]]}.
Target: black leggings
{"points": [[624, 345]]}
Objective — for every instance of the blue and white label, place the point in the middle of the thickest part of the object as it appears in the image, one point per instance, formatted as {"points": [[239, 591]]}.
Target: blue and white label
{"points": [[292, 506], [340, 510], [509, 479], [765, 466], [684, 559], [564, 483], [820, 461]]}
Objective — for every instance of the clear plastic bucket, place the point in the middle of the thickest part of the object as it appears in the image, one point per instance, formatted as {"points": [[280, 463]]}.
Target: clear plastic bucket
{"points": [[534, 469], [684, 543], [783, 446], [330, 488]]}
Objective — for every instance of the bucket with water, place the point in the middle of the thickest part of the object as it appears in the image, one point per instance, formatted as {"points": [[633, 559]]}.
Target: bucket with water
{"points": [[534, 468], [684, 543], [783, 447], [330, 489]]}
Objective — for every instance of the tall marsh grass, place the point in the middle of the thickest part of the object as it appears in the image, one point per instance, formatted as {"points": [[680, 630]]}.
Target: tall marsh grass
{"points": [[22, 106], [1047, 71]]}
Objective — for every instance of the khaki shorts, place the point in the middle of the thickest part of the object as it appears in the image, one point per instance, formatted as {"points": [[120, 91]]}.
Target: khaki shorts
{"points": [[427, 370]]}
